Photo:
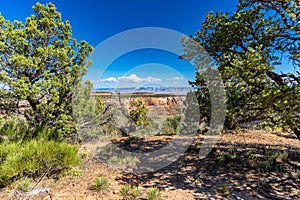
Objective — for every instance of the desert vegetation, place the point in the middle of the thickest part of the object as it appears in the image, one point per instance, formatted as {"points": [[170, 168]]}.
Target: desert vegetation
{"points": [[40, 64], [245, 48], [58, 138]]}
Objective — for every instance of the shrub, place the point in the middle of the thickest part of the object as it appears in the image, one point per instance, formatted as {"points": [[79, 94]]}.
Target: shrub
{"points": [[16, 129], [75, 172], [225, 189], [124, 160], [13, 129], [265, 164], [172, 125], [101, 183], [248, 155], [125, 190], [136, 191], [25, 184], [153, 193], [273, 155], [34, 158], [138, 113], [42, 75]]}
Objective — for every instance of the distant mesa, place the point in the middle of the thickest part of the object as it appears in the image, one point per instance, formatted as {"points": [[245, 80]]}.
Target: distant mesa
{"points": [[145, 90]]}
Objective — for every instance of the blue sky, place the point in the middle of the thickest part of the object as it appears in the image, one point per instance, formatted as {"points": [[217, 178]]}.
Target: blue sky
{"points": [[97, 20]]}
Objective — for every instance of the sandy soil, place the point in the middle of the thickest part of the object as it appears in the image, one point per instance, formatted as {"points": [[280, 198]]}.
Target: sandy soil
{"points": [[236, 168]]}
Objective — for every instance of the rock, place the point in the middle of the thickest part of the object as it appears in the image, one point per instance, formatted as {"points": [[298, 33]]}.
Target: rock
{"points": [[38, 191]]}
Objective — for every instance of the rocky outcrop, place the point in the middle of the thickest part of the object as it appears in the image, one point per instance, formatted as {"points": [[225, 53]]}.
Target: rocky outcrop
{"points": [[168, 104]]}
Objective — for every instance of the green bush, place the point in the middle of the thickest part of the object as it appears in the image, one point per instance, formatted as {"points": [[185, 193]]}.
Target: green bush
{"points": [[138, 113], [125, 190], [129, 191], [136, 191], [64, 59], [34, 158], [265, 164], [172, 125], [16, 129], [101, 183], [25, 184], [13, 129], [153, 193]]}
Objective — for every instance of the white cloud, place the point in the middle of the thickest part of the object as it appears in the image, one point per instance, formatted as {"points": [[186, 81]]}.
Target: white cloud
{"points": [[152, 79], [177, 78], [132, 78], [109, 79]]}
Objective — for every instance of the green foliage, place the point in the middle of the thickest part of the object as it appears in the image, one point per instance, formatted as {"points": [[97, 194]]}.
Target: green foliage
{"points": [[273, 155], [198, 181], [105, 118], [225, 189], [172, 125], [103, 111], [93, 117], [267, 159], [100, 184], [74, 172], [40, 62], [248, 155], [153, 193], [84, 111], [265, 164], [223, 158], [83, 103], [229, 156], [138, 113], [25, 184], [191, 113], [123, 160], [16, 129], [136, 191], [34, 158], [244, 48], [125, 190]]}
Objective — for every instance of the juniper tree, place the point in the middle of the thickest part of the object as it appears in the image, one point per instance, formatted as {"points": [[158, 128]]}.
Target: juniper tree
{"points": [[40, 63], [245, 47]]}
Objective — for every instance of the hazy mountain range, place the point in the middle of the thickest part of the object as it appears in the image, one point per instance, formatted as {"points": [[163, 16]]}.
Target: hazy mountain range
{"points": [[156, 90]]}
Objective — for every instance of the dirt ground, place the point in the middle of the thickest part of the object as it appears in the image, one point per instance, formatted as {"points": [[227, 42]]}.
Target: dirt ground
{"points": [[248, 165]]}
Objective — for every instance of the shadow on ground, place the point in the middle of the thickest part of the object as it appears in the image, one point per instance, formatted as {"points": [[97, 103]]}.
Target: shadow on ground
{"points": [[229, 171]]}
